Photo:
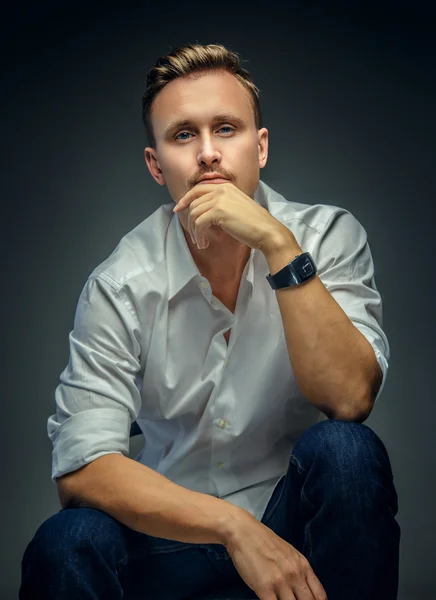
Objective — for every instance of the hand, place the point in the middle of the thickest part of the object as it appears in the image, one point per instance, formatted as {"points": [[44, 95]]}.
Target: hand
{"points": [[228, 207], [270, 566]]}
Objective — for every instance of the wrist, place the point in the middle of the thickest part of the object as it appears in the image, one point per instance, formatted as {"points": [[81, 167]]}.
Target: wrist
{"points": [[282, 255], [231, 525]]}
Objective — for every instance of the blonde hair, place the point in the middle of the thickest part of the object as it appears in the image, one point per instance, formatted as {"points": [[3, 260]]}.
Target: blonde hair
{"points": [[195, 58]]}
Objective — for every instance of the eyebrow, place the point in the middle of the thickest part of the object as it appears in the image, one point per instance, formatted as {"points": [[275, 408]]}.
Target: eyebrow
{"points": [[175, 125]]}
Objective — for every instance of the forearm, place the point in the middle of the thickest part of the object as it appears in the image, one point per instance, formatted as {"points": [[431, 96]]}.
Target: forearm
{"points": [[329, 356], [149, 502]]}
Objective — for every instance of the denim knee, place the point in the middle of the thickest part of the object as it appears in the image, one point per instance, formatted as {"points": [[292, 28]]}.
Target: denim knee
{"points": [[336, 439], [351, 455], [69, 530]]}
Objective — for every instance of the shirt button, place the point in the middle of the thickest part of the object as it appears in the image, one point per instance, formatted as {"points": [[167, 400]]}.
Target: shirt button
{"points": [[203, 284], [220, 465], [223, 423]]}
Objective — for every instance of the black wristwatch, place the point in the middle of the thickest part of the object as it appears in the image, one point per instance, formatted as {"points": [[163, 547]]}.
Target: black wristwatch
{"points": [[300, 269]]}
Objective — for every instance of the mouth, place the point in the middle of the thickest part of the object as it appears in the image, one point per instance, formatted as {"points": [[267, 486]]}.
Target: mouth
{"points": [[214, 180]]}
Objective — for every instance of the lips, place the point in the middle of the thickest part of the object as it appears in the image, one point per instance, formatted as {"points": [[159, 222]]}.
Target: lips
{"points": [[215, 180]]}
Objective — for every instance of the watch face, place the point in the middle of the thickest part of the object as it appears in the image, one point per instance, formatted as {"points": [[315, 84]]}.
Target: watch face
{"points": [[304, 265]]}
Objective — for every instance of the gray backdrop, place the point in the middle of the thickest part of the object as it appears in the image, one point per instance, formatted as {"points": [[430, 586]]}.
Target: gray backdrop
{"points": [[349, 101]]}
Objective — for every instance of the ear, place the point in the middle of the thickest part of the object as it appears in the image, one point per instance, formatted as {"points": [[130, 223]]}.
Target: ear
{"points": [[153, 165], [263, 146]]}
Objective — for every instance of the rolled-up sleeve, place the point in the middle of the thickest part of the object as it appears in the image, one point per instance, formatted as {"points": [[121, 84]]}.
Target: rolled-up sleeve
{"points": [[345, 266], [97, 398]]}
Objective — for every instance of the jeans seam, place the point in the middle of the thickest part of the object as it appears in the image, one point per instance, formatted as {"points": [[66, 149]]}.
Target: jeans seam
{"points": [[302, 471], [300, 468]]}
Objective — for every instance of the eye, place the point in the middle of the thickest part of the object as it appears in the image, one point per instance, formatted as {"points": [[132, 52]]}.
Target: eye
{"points": [[225, 127]]}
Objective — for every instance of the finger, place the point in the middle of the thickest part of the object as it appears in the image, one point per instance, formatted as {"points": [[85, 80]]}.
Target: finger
{"points": [[299, 591], [191, 230], [200, 238], [285, 593], [196, 234], [315, 586]]}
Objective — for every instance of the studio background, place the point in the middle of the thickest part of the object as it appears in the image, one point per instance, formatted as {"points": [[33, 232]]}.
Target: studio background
{"points": [[348, 99]]}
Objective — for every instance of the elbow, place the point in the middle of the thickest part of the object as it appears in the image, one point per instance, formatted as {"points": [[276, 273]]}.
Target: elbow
{"points": [[72, 501], [354, 417], [66, 498], [358, 413], [345, 412], [67, 492]]}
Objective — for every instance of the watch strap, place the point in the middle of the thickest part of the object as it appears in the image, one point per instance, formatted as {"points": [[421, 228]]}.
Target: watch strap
{"points": [[300, 269]]}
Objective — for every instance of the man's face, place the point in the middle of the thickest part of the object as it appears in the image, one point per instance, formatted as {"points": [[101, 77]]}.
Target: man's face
{"points": [[236, 150]]}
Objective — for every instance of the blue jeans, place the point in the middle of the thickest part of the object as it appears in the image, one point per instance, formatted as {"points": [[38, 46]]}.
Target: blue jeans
{"points": [[336, 505]]}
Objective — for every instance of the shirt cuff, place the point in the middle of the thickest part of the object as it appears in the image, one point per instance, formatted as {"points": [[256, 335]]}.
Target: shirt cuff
{"points": [[383, 366], [87, 435]]}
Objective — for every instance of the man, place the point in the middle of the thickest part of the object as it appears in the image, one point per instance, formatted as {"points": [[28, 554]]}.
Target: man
{"points": [[243, 333]]}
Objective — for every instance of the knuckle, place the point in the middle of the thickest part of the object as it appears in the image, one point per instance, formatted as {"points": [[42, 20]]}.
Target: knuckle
{"points": [[272, 583], [279, 581], [290, 568], [305, 565], [292, 573]]}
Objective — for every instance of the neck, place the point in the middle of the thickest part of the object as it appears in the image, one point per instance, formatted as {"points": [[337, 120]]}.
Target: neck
{"points": [[222, 262]]}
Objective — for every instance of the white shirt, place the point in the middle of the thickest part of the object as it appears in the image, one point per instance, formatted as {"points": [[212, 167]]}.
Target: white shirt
{"points": [[148, 345]]}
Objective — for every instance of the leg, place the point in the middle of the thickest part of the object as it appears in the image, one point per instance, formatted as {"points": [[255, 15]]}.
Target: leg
{"points": [[337, 507], [76, 553], [83, 553]]}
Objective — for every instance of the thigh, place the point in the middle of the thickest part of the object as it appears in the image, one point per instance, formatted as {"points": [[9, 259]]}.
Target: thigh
{"points": [[171, 570], [71, 529], [147, 567]]}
